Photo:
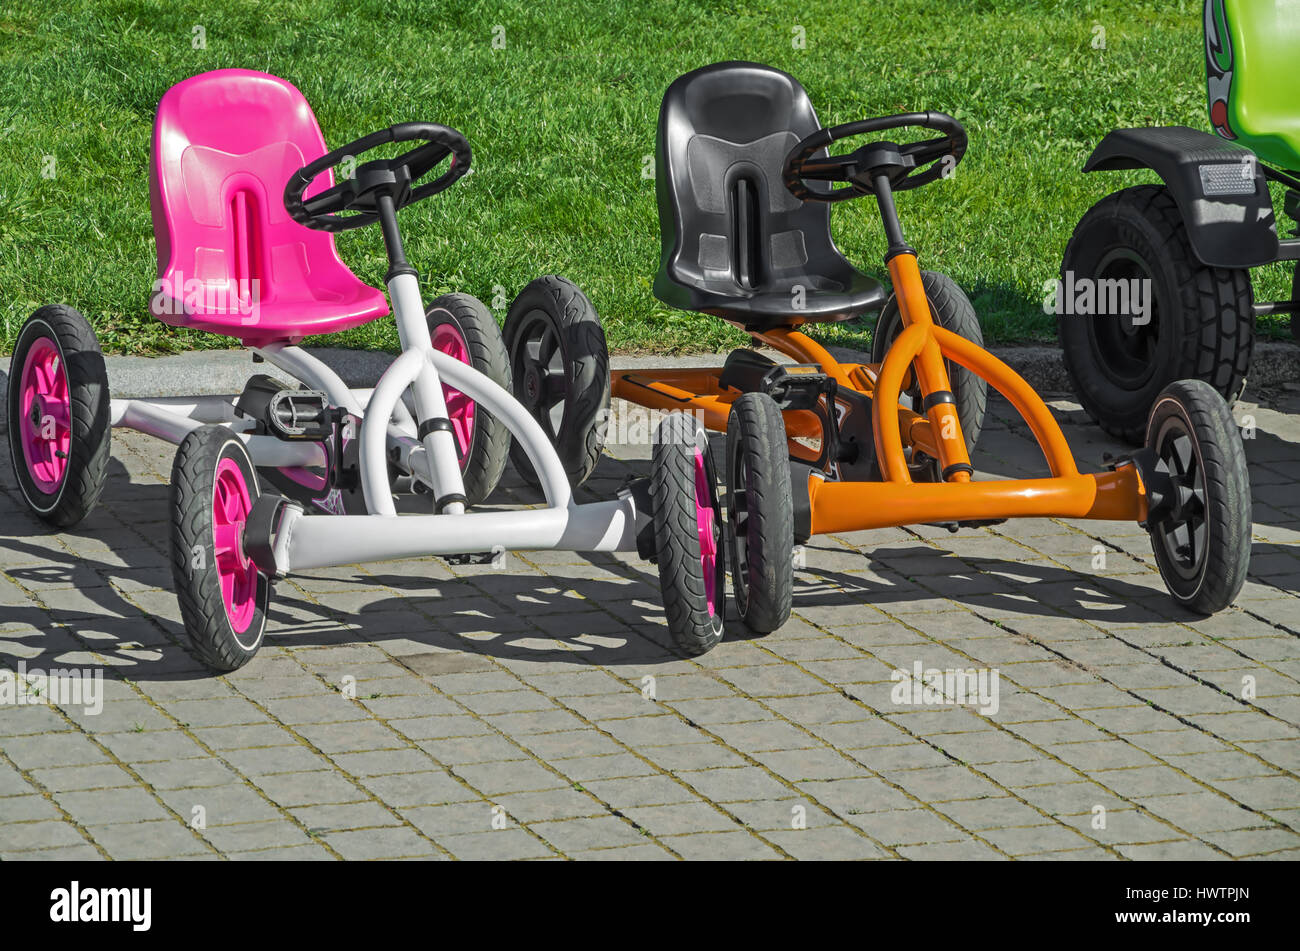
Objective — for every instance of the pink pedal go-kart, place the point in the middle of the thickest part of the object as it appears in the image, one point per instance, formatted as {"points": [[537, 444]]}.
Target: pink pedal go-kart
{"points": [[244, 254]]}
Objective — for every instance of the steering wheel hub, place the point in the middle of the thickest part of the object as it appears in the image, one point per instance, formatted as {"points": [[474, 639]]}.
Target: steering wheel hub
{"points": [[906, 166], [397, 178]]}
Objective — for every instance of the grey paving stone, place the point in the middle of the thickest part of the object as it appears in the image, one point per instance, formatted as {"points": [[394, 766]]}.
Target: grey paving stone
{"points": [[342, 817], [101, 806], [152, 746], [311, 852], [681, 819], [825, 844], [53, 749], [642, 852], [508, 777], [497, 845], [522, 689], [1183, 850], [1201, 812], [433, 787], [221, 805], [36, 836], [550, 804], [388, 843], [67, 778], [275, 833], [383, 762], [28, 809], [158, 839], [691, 756], [897, 827], [464, 750], [577, 835], [618, 766], [626, 793], [721, 846]]}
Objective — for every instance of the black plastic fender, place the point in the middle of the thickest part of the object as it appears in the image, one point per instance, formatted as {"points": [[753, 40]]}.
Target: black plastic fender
{"points": [[1218, 185]]}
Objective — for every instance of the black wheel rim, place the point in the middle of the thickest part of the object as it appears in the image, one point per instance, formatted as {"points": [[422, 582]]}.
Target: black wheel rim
{"points": [[542, 368], [1125, 352], [1183, 534]]}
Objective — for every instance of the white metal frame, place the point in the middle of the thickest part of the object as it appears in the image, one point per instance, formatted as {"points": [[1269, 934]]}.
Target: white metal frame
{"points": [[389, 432]]}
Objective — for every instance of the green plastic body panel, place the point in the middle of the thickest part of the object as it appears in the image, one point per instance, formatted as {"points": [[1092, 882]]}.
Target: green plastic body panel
{"points": [[1252, 60]]}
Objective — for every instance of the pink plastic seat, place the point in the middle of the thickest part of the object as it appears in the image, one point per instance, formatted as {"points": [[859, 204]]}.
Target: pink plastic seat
{"points": [[230, 259]]}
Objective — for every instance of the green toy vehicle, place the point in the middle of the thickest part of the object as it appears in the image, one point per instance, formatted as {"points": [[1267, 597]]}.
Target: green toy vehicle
{"points": [[1155, 282]]}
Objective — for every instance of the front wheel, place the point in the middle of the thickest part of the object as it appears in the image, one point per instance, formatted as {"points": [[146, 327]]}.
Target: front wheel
{"points": [[760, 513], [952, 310], [559, 366], [1201, 536], [59, 421], [223, 597], [462, 327], [687, 524]]}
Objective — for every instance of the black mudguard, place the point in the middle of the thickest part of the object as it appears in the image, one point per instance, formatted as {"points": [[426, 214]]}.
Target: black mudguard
{"points": [[1219, 187]]}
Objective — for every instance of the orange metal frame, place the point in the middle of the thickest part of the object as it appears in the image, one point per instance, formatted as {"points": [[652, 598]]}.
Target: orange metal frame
{"points": [[920, 348]]}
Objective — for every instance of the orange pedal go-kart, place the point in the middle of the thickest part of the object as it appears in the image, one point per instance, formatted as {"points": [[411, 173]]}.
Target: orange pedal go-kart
{"points": [[820, 446]]}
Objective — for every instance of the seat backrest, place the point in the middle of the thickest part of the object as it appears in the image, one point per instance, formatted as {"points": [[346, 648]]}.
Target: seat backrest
{"points": [[224, 144], [1252, 48], [728, 224]]}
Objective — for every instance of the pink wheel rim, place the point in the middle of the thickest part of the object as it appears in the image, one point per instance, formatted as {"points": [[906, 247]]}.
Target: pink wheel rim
{"points": [[231, 503], [46, 414], [448, 339], [706, 526]]}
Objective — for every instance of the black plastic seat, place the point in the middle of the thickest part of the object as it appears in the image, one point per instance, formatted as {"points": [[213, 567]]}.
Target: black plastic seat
{"points": [[736, 243]]}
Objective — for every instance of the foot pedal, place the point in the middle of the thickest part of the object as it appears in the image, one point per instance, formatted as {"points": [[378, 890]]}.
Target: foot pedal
{"points": [[284, 412], [791, 385], [300, 414]]}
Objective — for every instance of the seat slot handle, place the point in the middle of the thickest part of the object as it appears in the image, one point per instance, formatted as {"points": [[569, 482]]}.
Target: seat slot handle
{"points": [[745, 231]]}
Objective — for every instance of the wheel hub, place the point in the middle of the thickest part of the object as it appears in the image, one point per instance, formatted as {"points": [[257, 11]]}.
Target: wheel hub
{"points": [[533, 383]]}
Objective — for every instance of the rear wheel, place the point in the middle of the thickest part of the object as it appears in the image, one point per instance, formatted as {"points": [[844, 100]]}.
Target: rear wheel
{"points": [[952, 310], [1202, 540], [223, 597], [59, 421], [688, 533], [559, 366], [760, 513], [462, 327], [1199, 321]]}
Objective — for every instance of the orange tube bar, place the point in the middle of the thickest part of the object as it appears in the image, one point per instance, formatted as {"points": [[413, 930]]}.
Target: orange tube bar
{"points": [[1019, 393], [857, 506]]}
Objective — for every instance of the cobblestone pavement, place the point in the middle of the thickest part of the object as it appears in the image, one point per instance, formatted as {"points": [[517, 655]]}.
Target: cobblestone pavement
{"points": [[536, 711]]}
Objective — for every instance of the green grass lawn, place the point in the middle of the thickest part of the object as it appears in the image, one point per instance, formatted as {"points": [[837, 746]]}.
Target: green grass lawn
{"points": [[560, 120]]}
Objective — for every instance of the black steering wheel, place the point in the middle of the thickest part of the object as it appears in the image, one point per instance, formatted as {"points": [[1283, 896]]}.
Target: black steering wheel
{"points": [[908, 166], [395, 177]]}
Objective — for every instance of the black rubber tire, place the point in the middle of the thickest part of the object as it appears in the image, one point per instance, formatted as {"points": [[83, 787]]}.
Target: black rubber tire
{"points": [[490, 439], [1202, 322], [760, 513], [198, 587], [558, 306], [674, 487], [952, 310], [91, 425], [1191, 413]]}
